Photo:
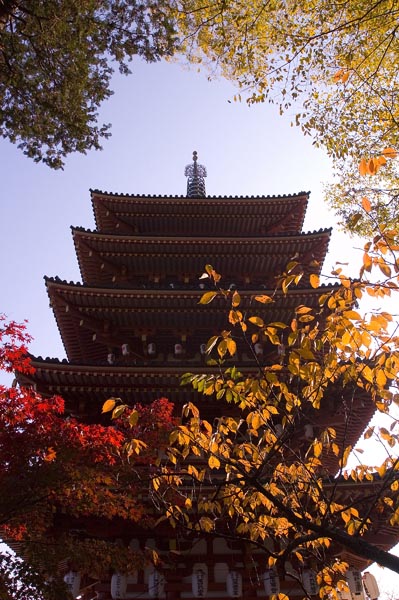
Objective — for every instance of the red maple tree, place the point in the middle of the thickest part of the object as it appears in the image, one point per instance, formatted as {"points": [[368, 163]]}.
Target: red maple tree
{"points": [[53, 466]]}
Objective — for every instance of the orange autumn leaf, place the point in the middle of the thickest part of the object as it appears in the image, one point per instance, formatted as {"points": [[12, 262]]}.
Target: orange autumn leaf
{"points": [[363, 170], [390, 152], [366, 204]]}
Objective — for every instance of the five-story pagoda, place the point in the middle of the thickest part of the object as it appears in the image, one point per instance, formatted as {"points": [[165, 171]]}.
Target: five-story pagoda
{"points": [[134, 326]]}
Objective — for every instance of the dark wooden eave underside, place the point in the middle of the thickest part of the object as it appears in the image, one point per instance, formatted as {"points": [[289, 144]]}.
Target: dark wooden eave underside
{"points": [[85, 387], [199, 216], [107, 259], [91, 319]]}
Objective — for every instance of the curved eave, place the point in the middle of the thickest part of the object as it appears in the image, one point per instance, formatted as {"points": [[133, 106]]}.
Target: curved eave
{"points": [[85, 387], [107, 259], [90, 319], [211, 215]]}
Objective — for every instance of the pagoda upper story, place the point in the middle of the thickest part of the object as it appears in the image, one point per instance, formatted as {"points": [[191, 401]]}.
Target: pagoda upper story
{"points": [[138, 304], [141, 271]]}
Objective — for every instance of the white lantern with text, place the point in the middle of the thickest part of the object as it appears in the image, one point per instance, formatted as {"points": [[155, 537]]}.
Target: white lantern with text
{"points": [[355, 583], [271, 582], [118, 586], [156, 584], [72, 581], [371, 586], [234, 584], [199, 580]]}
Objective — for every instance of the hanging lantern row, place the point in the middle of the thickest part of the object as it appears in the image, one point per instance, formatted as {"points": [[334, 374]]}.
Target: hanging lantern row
{"points": [[178, 350], [156, 584], [358, 587]]}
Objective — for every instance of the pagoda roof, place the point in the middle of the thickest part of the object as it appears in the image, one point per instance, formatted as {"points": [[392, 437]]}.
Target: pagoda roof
{"points": [[92, 319], [212, 215], [113, 259], [85, 387]]}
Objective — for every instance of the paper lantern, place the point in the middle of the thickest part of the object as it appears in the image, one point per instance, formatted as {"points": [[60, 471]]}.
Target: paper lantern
{"points": [[125, 350], [271, 582], [355, 583], [344, 595], [309, 582], [199, 580], [156, 584], [370, 586], [309, 433], [234, 584], [258, 349], [118, 586], [72, 580], [152, 349]]}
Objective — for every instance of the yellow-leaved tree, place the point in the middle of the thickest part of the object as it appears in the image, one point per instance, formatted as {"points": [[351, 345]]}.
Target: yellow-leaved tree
{"points": [[269, 464], [331, 65]]}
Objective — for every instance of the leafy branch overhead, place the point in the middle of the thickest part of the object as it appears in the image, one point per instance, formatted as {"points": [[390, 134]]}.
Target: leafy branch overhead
{"points": [[56, 62], [332, 65]]}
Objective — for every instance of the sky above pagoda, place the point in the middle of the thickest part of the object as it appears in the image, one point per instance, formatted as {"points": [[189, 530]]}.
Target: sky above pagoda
{"points": [[159, 115]]}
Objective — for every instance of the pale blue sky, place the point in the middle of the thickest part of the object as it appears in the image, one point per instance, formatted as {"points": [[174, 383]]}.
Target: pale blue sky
{"points": [[160, 115]]}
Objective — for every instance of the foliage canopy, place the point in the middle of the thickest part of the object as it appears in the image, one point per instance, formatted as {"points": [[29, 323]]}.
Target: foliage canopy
{"points": [[330, 65], [56, 62]]}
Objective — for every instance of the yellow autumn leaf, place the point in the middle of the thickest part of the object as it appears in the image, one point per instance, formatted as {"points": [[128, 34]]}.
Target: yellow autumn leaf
{"points": [[337, 77], [108, 405], [314, 280], [317, 448], [264, 299], [367, 261], [236, 299], [213, 462], [381, 378], [385, 269], [256, 321], [231, 346], [372, 166], [133, 418], [351, 314], [222, 348], [301, 310], [207, 297]]}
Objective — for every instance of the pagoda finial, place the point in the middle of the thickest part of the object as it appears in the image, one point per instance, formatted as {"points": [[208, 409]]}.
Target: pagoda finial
{"points": [[195, 182]]}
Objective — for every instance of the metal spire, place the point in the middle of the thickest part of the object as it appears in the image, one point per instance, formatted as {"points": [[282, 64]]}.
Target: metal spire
{"points": [[195, 182]]}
